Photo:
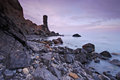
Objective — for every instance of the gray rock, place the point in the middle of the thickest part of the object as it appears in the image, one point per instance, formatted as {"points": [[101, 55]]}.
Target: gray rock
{"points": [[2, 58], [118, 76], [103, 77], [9, 73], [115, 62], [43, 74], [106, 54], [18, 60], [55, 71], [96, 60], [69, 58], [108, 74]]}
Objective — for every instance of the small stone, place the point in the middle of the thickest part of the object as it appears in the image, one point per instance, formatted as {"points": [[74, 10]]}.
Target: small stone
{"points": [[37, 57], [25, 71], [73, 75], [19, 70]]}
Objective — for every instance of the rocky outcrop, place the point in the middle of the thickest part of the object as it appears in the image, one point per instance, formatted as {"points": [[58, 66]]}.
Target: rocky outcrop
{"points": [[76, 35]]}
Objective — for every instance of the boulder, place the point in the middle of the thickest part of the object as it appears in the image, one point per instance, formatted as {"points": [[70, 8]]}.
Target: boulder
{"points": [[106, 54], [57, 41], [18, 60], [43, 74], [89, 47], [76, 35], [115, 62]]}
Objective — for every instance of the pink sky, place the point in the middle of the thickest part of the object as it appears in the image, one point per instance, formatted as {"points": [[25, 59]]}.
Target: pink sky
{"points": [[75, 15]]}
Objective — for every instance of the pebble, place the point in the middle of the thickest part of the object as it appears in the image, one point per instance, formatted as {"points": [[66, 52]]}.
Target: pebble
{"points": [[73, 75], [26, 71]]}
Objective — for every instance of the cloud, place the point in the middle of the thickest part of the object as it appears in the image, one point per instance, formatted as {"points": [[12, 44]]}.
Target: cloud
{"points": [[84, 14]]}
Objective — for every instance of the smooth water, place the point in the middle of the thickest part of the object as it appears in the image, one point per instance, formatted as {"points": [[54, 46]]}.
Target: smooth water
{"points": [[102, 42], [109, 42]]}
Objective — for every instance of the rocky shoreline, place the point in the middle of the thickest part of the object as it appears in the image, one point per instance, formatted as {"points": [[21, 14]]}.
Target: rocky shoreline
{"points": [[25, 57]]}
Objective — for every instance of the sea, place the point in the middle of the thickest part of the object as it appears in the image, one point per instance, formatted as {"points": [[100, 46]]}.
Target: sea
{"points": [[103, 41]]}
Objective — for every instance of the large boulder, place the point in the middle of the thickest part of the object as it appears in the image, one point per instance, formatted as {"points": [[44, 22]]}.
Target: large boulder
{"points": [[89, 47], [106, 54]]}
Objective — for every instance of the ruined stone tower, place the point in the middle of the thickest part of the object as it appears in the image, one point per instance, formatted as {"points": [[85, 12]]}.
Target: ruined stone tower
{"points": [[45, 23]]}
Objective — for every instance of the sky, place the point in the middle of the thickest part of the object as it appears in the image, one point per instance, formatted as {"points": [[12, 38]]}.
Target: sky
{"points": [[75, 15]]}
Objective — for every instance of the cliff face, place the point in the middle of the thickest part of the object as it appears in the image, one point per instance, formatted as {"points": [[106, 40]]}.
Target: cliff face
{"points": [[13, 47], [13, 10]]}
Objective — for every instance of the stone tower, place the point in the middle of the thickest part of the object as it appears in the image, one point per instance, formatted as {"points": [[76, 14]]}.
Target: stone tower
{"points": [[45, 23]]}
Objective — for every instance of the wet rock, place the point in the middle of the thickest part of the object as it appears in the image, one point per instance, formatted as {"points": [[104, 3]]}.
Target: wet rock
{"points": [[103, 77], [118, 76], [95, 77], [89, 47], [43, 74], [81, 57], [69, 58], [73, 75], [57, 41], [115, 62], [76, 35], [18, 60], [106, 54], [108, 74], [96, 60], [25, 71], [60, 40], [115, 53]]}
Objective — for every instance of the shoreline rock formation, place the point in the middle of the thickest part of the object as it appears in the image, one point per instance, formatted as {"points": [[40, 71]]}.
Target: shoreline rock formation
{"points": [[23, 56]]}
